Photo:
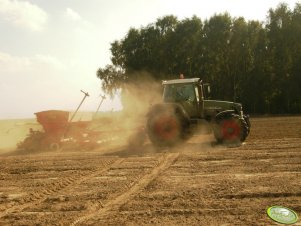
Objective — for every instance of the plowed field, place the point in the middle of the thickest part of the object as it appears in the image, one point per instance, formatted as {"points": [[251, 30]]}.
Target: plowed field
{"points": [[199, 183]]}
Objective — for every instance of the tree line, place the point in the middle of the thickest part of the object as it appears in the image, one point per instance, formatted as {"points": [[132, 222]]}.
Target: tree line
{"points": [[253, 62]]}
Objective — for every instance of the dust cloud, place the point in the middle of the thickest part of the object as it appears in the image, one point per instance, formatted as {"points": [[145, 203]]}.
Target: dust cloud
{"points": [[139, 95], [129, 124], [14, 131], [110, 130]]}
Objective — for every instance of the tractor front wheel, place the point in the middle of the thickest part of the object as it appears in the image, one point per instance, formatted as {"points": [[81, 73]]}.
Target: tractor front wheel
{"points": [[231, 130]]}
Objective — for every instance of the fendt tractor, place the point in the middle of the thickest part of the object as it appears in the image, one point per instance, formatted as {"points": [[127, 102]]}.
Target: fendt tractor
{"points": [[187, 107]]}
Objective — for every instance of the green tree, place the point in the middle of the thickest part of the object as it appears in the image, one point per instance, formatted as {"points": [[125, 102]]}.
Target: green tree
{"points": [[217, 33], [280, 47], [252, 62], [254, 88]]}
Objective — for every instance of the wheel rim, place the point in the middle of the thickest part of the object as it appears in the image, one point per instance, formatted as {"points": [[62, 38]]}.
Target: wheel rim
{"points": [[166, 127], [230, 130]]}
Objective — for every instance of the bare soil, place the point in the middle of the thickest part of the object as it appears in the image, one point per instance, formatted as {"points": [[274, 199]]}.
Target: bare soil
{"points": [[197, 183]]}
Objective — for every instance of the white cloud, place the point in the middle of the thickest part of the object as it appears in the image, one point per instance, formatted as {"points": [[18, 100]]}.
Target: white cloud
{"points": [[48, 60], [81, 27], [23, 14], [72, 15], [10, 63]]}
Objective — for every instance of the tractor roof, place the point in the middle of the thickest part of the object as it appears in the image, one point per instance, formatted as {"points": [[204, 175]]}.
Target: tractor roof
{"points": [[179, 81]]}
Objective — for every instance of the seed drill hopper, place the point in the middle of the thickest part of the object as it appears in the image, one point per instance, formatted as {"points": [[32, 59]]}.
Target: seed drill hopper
{"points": [[57, 131]]}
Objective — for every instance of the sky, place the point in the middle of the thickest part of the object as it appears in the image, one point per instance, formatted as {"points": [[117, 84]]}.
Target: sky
{"points": [[51, 50]]}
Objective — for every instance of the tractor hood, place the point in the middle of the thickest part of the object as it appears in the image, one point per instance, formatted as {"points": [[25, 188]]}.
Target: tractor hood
{"points": [[219, 106]]}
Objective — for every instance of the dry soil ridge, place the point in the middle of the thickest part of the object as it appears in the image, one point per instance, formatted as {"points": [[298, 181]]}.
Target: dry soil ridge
{"points": [[113, 205]]}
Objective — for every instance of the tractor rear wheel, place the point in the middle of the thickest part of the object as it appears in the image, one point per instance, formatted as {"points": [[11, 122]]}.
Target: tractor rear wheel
{"points": [[165, 128], [231, 130]]}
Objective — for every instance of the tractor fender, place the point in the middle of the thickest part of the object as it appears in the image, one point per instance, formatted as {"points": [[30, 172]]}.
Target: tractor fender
{"points": [[170, 107], [224, 115], [154, 109], [181, 111]]}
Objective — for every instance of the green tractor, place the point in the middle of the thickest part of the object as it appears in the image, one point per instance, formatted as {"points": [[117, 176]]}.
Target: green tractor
{"points": [[187, 107]]}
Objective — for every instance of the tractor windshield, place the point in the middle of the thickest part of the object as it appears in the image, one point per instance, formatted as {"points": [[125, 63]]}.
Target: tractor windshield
{"points": [[179, 92]]}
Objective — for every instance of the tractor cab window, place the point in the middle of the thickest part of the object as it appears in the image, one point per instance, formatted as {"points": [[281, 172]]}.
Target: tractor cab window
{"points": [[179, 92], [207, 91]]}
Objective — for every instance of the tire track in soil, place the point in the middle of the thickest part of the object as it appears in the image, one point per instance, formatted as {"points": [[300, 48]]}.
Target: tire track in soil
{"points": [[36, 198], [164, 163]]}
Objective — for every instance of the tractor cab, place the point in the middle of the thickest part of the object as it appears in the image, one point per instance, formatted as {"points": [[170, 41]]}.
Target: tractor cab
{"points": [[188, 93]]}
